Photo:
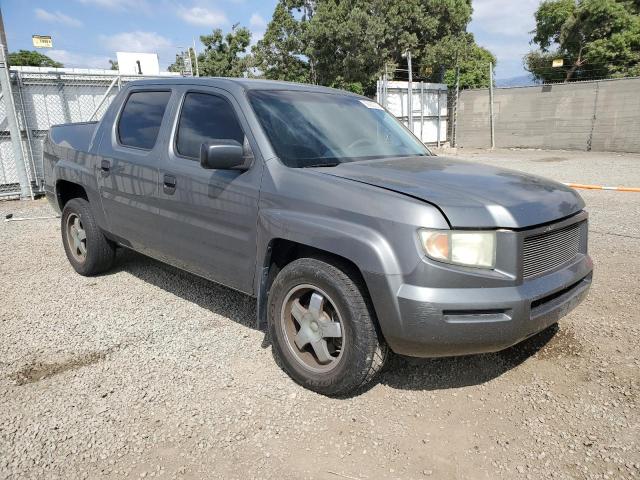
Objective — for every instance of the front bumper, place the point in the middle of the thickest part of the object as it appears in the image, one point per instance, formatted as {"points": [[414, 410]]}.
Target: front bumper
{"points": [[458, 321]]}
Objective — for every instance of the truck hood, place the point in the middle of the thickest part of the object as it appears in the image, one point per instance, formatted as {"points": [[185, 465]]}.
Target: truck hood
{"points": [[470, 195]]}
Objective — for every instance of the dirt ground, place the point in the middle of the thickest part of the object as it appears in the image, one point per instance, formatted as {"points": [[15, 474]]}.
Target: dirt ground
{"points": [[148, 372]]}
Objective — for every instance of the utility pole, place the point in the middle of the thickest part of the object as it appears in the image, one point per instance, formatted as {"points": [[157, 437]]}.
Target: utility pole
{"points": [[410, 99], [12, 118], [493, 135], [195, 54]]}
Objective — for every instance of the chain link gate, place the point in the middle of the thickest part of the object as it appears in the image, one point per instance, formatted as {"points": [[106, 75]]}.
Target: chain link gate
{"points": [[42, 98]]}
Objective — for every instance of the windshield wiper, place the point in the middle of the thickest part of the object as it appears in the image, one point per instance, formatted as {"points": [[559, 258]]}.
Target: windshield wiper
{"points": [[318, 165]]}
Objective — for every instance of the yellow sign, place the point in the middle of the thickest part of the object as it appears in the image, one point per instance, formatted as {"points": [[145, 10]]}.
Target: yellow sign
{"points": [[557, 62], [42, 41]]}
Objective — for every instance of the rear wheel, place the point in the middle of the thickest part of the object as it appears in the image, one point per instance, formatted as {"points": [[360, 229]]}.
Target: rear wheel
{"points": [[87, 249], [323, 328]]}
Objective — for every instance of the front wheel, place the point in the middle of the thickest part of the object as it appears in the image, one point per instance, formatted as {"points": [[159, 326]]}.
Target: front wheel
{"points": [[323, 328]]}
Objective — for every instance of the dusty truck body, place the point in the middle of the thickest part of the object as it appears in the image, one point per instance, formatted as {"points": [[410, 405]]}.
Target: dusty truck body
{"points": [[351, 235]]}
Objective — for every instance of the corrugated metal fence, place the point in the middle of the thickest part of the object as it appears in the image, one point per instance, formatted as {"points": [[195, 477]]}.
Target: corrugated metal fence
{"points": [[43, 98], [429, 107], [602, 115]]}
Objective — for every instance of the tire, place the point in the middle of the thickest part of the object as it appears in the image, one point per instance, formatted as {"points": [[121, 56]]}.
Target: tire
{"points": [[355, 358], [87, 249]]}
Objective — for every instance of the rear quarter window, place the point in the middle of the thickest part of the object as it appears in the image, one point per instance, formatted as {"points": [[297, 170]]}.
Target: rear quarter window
{"points": [[141, 117]]}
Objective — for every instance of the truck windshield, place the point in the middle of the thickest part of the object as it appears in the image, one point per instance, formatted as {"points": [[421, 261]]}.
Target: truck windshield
{"points": [[313, 129]]}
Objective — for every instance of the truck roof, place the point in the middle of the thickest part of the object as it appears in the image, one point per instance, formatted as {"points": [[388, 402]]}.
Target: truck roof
{"points": [[239, 83]]}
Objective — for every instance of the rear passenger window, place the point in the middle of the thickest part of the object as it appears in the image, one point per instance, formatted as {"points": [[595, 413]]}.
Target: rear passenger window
{"points": [[141, 117], [204, 118]]}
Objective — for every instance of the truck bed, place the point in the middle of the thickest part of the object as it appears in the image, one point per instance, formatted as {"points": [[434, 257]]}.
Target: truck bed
{"points": [[77, 136]]}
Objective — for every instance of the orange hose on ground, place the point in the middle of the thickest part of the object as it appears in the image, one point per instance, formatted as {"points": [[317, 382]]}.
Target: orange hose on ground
{"points": [[601, 187]]}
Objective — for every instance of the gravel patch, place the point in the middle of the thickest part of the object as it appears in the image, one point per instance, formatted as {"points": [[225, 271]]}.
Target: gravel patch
{"points": [[149, 372]]}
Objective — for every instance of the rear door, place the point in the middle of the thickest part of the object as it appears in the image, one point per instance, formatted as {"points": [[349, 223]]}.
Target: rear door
{"points": [[128, 166], [209, 216]]}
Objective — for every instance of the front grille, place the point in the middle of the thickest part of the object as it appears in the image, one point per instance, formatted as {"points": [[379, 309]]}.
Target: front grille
{"points": [[549, 250]]}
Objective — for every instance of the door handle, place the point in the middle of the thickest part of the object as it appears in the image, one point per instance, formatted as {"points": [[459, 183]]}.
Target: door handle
{"points": [[169, 186], [105, 167]]}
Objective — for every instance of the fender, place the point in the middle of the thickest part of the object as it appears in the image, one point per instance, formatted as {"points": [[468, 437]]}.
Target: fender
{"points": [[363, 246], [80, 169]]}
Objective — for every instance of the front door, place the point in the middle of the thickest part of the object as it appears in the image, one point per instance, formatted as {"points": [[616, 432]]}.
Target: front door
{"points": [[128, 167], [209, 216]]}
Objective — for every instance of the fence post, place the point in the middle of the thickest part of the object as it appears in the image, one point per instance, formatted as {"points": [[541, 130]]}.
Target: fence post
{"points": [[384, 87], [422, 111], [493, 136], [65, 103], [27, 128], [439, 116], [14, 127], [410, 97], [455, 109]]}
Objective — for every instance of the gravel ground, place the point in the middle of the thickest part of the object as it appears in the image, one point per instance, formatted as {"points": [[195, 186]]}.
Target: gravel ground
{"points": [[148, 372]]}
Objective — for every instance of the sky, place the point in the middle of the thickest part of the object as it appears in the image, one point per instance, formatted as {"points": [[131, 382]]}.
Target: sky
{"points": [[87, 33]]}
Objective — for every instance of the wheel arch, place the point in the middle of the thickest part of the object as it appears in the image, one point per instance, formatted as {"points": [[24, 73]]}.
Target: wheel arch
{"points": [[281, 251], [66, 190], [285, 235]]}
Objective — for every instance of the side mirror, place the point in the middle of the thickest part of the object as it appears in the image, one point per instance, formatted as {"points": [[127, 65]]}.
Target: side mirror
{"points": [[223, 155]]}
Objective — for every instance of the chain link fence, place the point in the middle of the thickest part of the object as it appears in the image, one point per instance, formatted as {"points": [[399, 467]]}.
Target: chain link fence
{"points": [[42, 98]]}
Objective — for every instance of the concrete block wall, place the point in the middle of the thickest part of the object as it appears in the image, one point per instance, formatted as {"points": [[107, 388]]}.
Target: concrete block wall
{"points": [[602, 116]]}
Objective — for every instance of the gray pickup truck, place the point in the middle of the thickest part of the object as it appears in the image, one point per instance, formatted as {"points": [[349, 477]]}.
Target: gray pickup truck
{"points": [[351, 235]]}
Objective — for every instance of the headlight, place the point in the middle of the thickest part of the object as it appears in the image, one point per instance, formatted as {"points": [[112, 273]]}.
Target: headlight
{"points": [[472, 249]]}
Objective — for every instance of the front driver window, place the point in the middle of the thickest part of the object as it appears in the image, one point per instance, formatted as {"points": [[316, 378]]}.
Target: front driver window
{"points": [[204, 118]]}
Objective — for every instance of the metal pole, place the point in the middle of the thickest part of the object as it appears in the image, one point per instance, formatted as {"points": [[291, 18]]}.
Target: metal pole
{"points": [[439, 116], [14, 127], [455, 109], [493, 138], [422, 111], [410, 99], [3, 37], [195, 54], [27, 128], [104, 97], [384, 87]]}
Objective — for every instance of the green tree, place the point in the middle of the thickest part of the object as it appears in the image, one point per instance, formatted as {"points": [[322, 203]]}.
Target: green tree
{"points": [[344, 39], [32, 58], [113, 65], [347, 43], [594, 38], [457, 55], [225, 55], [280, 54]]}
